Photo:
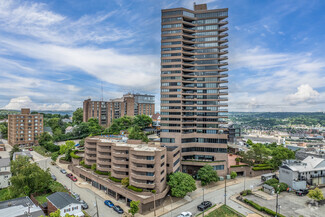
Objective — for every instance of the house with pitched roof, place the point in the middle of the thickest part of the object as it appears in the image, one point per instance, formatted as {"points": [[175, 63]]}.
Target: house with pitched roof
{"points": [[65, 203]]}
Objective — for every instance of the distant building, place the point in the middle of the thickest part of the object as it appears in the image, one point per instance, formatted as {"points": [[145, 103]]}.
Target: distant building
{"points": [[2, 146], [20, 207], [297, 174], [69, 129], [5, 173], [24, 128], [65, 203], [66, 120], [48, 130], [303, 153], [129, 104], [234, 132]]}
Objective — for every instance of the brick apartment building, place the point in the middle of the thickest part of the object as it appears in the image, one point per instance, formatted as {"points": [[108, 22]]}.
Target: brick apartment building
{"points": [[24, 128], [129, 104], [144, 164], [194, 88]]}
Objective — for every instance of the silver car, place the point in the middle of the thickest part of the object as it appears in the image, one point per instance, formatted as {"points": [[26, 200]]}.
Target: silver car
{"points": [[185, 214]]}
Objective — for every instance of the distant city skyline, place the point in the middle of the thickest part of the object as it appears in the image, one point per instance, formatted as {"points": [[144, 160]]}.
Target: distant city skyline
{"points": [[54, 55]]}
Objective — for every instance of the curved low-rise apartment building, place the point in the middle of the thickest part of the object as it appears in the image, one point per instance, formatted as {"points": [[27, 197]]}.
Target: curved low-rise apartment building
{"points": [[143, 164]]}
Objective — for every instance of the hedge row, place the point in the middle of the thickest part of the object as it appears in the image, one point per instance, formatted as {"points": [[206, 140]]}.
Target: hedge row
{"points": [[135, 188], [262, 168], [73, 155], [261, 165], [82, 163], [244, 165], [262, 208], [114, 179], [101, 172]]}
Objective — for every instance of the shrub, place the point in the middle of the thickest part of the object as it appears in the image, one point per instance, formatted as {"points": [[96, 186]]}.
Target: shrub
{"points": [[246, 192], [261, 165], [233, 174], [93, 167], [125, 181], [135, 188], [114, 179], [73, 155], [271, 181], [262, 168], [280, 187], [244, 165], [262, 208], [82, 163], [101, 172], [153, 191]]}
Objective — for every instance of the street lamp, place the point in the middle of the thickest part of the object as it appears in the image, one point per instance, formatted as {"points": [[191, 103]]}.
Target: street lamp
{"points": [[277, 202], [171, 208], [203, 200]]}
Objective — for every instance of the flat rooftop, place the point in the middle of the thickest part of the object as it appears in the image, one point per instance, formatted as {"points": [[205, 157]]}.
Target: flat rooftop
{"points": [[123, 143]]}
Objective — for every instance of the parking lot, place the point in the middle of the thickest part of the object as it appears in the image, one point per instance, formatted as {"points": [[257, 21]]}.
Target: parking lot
{"points": [[291, 205]]}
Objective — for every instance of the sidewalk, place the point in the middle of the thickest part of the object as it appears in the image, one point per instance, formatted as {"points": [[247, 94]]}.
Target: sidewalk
{"points": [[169, 203], [256, 212]]}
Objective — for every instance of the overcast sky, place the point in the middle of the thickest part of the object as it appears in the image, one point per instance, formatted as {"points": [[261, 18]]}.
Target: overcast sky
{"points": [[55, 54]]}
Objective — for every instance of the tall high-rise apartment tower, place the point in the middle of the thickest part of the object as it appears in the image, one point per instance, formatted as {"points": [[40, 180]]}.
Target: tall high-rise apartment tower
{"points": [[194, 88]]}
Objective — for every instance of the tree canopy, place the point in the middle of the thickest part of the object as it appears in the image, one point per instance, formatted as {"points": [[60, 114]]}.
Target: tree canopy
{"points": [[27, 178], [126, 122], [181, 184], [77, 116], [207, 175], [134, 207], [316, 194]]}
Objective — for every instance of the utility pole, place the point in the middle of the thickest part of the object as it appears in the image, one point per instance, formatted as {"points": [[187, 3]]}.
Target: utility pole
{"points": [[277, 202], [96, 207], [171, 208], [154, 204], [226, 189], [203, 200]]}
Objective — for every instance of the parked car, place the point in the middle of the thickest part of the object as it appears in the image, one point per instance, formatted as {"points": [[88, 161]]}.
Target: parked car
{"points": [[69, 175], [84, 205], [204, 205], [302, 192], [53, 177], [73, 178], [118, 209], [76, 196], [109, 203], [63, 171], [30, 149], [185, 214]]}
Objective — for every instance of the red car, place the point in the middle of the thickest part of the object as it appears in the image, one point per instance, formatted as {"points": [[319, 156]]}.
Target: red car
{"points": [[69, 175], [30, 149], [73, 178]]}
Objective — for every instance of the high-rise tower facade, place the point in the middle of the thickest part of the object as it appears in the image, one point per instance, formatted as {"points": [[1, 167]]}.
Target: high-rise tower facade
{"points": [[194, 88]]}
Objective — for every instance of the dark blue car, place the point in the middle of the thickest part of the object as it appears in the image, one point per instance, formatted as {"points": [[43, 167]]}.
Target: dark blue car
{"points": [[109, 203], [118, 209]]}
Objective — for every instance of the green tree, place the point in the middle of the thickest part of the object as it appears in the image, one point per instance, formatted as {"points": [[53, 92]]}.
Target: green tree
{"points": [[142, 121], [249, 142], [27, 178], [136, 133], [55, 156], [82, 143], [68, 145], [207, 175], [125, 181], [57, 213], [134, 207], [233, 174], [181, 184], [316, 194], [44, 138], [280, 154], [77, 116], [13, 150], [4, 130]]}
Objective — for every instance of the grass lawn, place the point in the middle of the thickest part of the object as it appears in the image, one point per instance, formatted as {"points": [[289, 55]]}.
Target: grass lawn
{"points": [[223, 211], [3, 193], [42, 198]]}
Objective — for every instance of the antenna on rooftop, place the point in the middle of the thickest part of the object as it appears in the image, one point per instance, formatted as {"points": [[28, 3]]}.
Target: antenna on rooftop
{"points": [[101, 86]]}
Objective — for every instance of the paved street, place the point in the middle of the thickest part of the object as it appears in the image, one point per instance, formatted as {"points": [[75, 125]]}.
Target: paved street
{"points": [[85, 194], [217, 197]]}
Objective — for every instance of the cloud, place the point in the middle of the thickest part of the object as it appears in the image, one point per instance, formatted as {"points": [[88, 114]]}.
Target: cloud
{"points": [[26, 102], [304, 94]]}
